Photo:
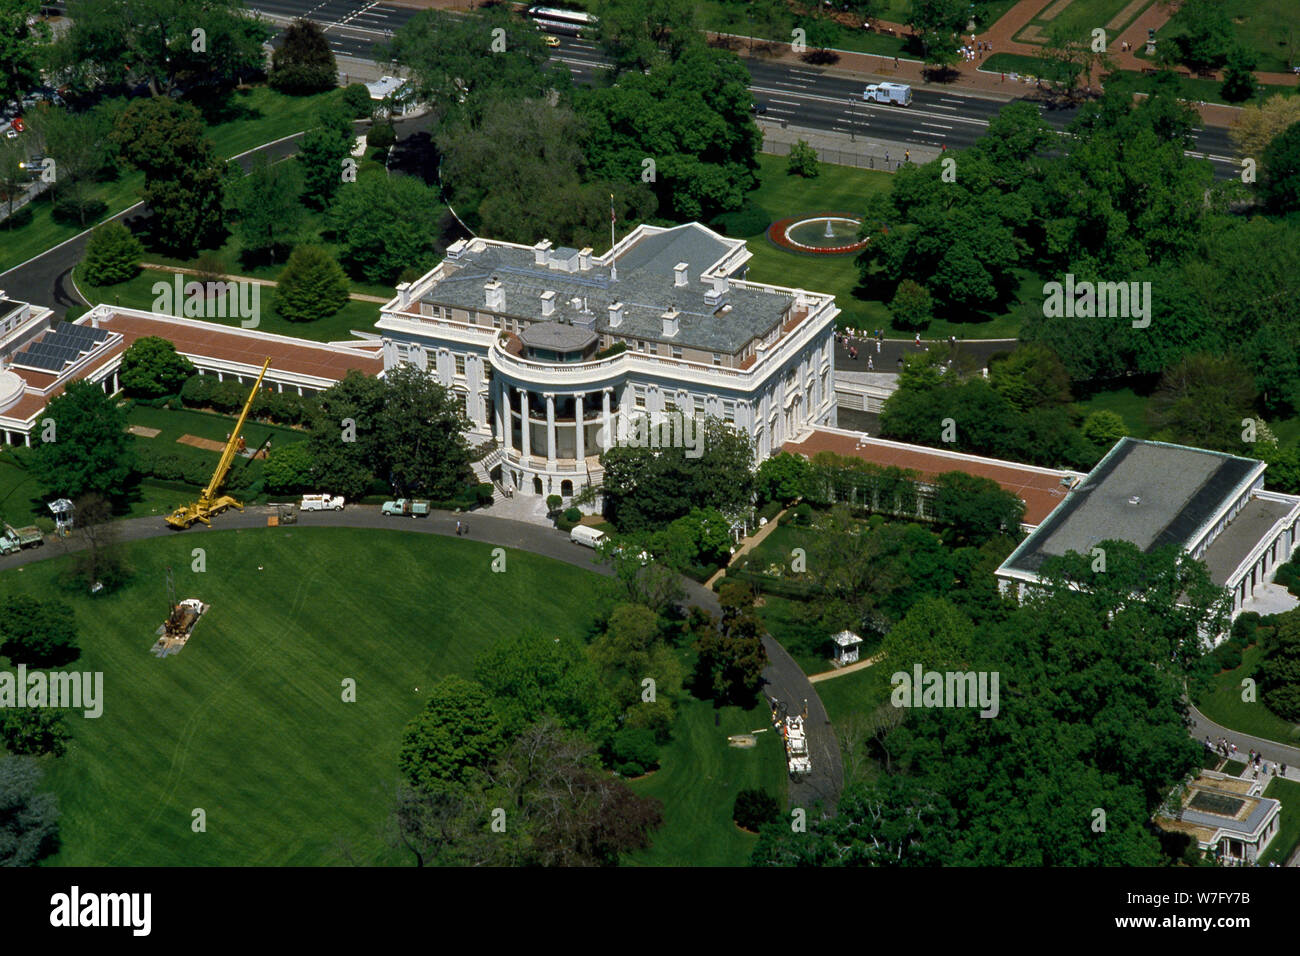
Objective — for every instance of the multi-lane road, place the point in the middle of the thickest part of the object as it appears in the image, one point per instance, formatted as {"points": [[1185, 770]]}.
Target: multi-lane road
{"points": [[803, 96]]}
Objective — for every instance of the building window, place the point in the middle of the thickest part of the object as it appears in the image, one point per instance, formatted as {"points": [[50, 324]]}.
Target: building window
{"points": [[677, 351], [638, 398], [717, 358], [460, 365], [729, 412], [699, 406]]}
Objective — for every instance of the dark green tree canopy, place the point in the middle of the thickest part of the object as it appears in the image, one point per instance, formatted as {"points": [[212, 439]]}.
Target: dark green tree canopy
{"points": [[89, 449], [151, 368]]}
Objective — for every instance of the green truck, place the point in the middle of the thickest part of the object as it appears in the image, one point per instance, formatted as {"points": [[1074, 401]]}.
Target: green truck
{"points": [[15, 539], [407, 507]]}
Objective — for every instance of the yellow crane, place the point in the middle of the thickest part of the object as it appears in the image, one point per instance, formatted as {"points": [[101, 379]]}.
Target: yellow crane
{"points": [[209, 504]]}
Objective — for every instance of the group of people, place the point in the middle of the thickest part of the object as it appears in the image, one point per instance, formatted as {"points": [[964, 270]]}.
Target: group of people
{"points": [[974, 49], [1254, 759], [847, 338]]}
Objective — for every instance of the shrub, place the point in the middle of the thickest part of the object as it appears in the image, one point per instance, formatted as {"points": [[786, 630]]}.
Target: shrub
{"points": [[553, 503], [312, 286], [803, 514], [381, 136], [572, 514], [197, 390], [303, 62], [113, 255], [75, 210], [20, 218], [753, 808], [802, 161], [1227, 656], [357, 99], [484, 493], [1243, 629], [31, 731], [633, 751]]}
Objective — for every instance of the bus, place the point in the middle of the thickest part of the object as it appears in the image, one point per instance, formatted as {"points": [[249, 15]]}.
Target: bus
{"points": [[572, 23]]}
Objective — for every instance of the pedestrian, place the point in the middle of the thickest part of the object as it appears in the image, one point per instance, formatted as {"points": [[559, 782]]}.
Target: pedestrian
{"points": [[458, 529], [896, 63], [1284, 770], [907, 155], [886, 157], [1234, 749], [877, 346], [943, 147], [918, 340], [870, 366]]}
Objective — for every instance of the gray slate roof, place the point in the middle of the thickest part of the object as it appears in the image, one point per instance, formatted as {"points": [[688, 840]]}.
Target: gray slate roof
{"points": [[1178, 489], [557, 337], [644, 287]]}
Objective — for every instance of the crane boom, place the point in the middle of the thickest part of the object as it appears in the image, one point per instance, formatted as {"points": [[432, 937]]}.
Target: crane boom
{"points": [[208, 503]]}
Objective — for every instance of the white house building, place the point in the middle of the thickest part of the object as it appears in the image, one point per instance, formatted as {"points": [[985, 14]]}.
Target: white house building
{"points": [[530, 338]]}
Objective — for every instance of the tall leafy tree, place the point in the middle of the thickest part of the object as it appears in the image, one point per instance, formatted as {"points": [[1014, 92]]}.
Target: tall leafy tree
{"points": [[38, 633], [311, 286], [80, 145], [151, 368], [387, 225], [421, 447], [23, 44], [638, 35], [303, 62], [268, 213], [113, 255], [182, 176], [1202, 400], [88, 447], [454, 739], [345, 433], [29, 817], [1280, 186], [323, 154]]}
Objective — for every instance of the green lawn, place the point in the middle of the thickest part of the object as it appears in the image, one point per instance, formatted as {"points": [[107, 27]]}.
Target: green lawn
{"points": [[1268, 27], [698, 779], [1125, 403], [1223, 705], [247, 722], [1081, 17], [138, 293], [1288, 834], [859, 692], [252, 117]]}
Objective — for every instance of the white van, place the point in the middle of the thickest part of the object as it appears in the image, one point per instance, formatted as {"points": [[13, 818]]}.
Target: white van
{"points": [[584, 535], [321, 503], [899, 94]]}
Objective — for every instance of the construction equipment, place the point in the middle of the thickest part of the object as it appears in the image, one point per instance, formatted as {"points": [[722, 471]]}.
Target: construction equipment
{"points": [[209, 504], [179, 625], [15, 539]]}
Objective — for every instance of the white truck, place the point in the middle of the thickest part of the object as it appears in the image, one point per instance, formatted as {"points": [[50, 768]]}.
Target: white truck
{"points": [[899, 94], [590, 537], [321, 503]]}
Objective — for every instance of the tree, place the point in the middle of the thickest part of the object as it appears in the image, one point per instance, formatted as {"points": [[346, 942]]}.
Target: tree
{"points": [[182, 176], [152, 369], [155, 41], [311, 286], [88, 448], [1206, 35], [344, 439], [1202, 400], [420, 447], [28, 817], [303, 63], [387, 225], [81, 148], [976, 508], [731, 653], [1103, 428], [38, 633], [535, 676], [701, 538], [290, 469], [912, 306], [781, 477], [454, 739], [113, 255], [456, 62], [754, 808], [1280, 185], [629, 651], [321, 157], [266, 207], [101, 561], [1238, 77], [638, 36], [1257, 124], [802, 161], [356, 97], [1279, 672], [1031, 377], [33, 731], [690, 116], [23, 36], [934, 634], [13, 176], [938, 22]]}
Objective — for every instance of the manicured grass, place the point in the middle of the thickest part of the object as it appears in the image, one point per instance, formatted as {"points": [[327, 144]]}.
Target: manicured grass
{"points": [[137, 293], [1081, 17], [1223, 705], [859, 692], [1234, 768], [1266, 26], [776, 547], [698, 778], [1125, 403], [1288, 834], [248, 722], [254, 116], [175, 423]]}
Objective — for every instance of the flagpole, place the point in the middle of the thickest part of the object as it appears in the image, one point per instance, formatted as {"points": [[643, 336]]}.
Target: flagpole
{"points": [[613, 266]]}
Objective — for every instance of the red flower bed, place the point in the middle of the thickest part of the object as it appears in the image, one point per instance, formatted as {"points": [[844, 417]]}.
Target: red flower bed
{"points": [[777, 234]]}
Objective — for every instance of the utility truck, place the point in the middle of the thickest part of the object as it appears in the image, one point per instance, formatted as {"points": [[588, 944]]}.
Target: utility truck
{"points": [[321, 503], [407, 507], [15, 539], [899, 94]]}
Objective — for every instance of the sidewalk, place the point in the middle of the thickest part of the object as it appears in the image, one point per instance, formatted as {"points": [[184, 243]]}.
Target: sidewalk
{"points": [[266, 282], [749, 543]]}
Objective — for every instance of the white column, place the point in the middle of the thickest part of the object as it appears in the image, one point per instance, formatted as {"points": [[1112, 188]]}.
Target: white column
{"points": [[550, 428], [503, 433], [279, 386], [523, 418], [582, 428], [609, 417]]}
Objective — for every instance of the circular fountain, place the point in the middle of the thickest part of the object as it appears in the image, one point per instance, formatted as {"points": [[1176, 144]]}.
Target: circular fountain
{"points": [[825, 234]]}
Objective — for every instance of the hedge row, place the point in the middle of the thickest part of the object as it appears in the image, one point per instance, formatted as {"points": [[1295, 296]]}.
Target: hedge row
{"points": [[195, 470], [285, 408]]}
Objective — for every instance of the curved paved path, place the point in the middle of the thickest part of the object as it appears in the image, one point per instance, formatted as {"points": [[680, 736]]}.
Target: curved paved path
{"points": [[784, 678], [1274, 752]]}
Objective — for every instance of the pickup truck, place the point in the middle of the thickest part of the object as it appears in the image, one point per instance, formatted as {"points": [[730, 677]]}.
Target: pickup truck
{"points": [[15, 539], [321, 503], [407, 507]]}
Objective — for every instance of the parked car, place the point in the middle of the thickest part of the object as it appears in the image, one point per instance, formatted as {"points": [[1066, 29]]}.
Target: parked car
{"points": [[586, 536]]}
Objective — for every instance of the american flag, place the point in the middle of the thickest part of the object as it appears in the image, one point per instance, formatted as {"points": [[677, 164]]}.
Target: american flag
{"points": [[612, 218]]}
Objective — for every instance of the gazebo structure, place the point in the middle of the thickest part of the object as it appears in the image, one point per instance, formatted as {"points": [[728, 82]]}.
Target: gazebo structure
{"points": [[846, 648], [62, 510]]}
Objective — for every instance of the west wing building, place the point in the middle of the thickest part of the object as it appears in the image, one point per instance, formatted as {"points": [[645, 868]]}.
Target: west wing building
{"points": [[1210, 504], [528, 337]]}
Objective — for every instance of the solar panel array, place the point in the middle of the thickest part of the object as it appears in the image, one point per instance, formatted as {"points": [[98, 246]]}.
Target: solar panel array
{"points": [[59, 348]]}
